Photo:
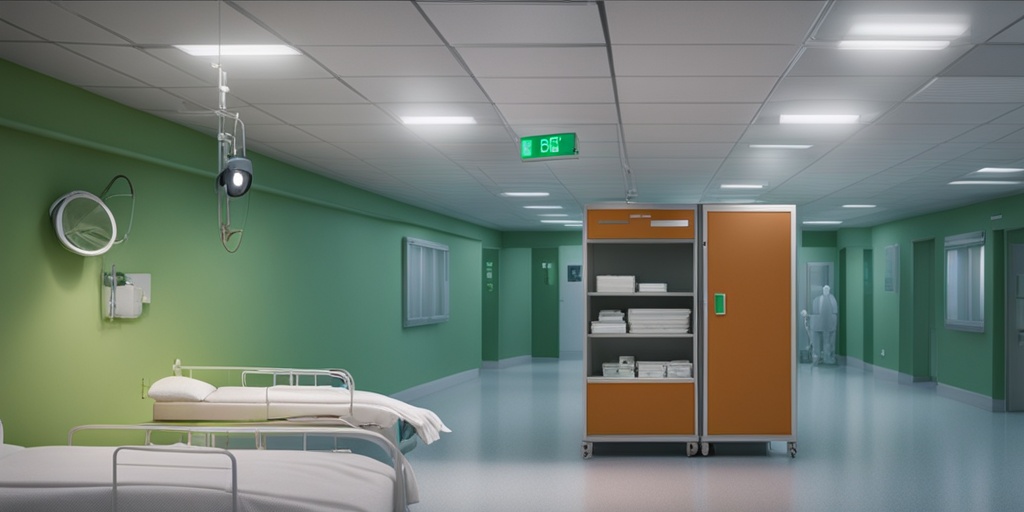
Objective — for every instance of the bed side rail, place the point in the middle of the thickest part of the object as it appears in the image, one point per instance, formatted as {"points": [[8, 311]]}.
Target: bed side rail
{"points": [[232, 466], [206, 434], [293, 376]]}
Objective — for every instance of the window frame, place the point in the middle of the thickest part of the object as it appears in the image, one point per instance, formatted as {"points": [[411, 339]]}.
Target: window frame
{"points": [[965, 282]]}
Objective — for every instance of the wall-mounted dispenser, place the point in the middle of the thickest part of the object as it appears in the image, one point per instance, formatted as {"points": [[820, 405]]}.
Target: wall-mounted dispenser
{"points": [[124, 294]]}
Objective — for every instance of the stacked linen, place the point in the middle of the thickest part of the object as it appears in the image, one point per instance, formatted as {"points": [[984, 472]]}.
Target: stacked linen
{"points": [[651, 369], [609, 321], [681, 369], [616, 284], [659, 321], [652, 287]]}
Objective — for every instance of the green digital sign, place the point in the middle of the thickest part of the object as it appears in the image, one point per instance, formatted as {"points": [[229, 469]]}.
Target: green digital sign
{"points": [[546, 147]]}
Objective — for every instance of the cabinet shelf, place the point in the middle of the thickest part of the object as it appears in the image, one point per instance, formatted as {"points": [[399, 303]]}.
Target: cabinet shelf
{"points": [[641, 294], [638, 380], [640, 335]]}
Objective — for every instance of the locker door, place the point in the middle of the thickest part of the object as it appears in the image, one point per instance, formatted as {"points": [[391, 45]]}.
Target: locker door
{"points": [[749, 349]]}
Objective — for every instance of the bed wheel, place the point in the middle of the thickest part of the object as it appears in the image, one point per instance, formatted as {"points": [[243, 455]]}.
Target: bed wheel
{"points": [[692, 449], [588, 449]]}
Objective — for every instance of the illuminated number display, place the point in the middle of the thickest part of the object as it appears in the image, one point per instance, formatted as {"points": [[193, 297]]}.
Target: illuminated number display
{"points": [[545, 147]]}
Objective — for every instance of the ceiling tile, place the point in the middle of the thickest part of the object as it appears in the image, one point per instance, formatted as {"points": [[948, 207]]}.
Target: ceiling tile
{"points": [[503, 23], [48, 20], [869, 88], [537, 61], [701, 60], [691, 113], [302, 90], [518, 114], [972, 90], [378, 61], [683, 133], [548, 90], [417, 89], [344, 23], [835, 62], [138, 64], [694, 89], [328, 114], [709, 22], [174, 22]]}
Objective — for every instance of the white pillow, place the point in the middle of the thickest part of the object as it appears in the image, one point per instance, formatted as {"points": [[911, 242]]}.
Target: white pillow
{"points": [[180, 389]]}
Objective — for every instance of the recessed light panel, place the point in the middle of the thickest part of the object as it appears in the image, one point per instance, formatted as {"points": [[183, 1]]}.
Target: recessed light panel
{"points": [[741, 186], [892, 45], [999, 170], [781, 146], [822, 222], [542, 207], [525, 194], [438, 120], [254, 50], [818, 118], [984, 182], [858, 206]]}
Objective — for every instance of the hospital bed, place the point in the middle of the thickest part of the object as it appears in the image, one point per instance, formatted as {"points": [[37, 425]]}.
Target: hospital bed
{"points": [[193, 474], [289, 395]]}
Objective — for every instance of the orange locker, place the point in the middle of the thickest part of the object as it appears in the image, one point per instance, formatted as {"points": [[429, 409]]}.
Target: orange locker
{"points": [[749, 347]]}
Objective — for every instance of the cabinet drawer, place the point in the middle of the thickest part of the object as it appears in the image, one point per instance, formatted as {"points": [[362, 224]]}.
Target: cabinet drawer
{"points": [[640, 408], [640, 223]]}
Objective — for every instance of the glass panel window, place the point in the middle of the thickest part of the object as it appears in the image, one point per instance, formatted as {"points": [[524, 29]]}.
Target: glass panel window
{"points": [[426, 283], [965, 282]]}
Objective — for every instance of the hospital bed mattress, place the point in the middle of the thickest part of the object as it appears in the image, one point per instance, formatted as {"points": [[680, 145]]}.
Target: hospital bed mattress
{"points": [[246, 404], [79, 478]]}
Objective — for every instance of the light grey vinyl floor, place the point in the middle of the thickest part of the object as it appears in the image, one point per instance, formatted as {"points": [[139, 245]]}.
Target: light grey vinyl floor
{"points": [[865, 444]]}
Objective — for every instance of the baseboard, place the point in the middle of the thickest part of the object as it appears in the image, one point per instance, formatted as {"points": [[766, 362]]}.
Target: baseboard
{"points": [[505, 363], [417, 392], [971, 398], [571, 354]]}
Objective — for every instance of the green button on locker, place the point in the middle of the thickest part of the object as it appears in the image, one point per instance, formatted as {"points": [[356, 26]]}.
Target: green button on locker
{"points": [[719, 303]]}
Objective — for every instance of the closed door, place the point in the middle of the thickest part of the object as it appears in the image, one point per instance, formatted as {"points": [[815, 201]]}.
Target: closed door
{"points": [[749, 343], [1015, 324]]}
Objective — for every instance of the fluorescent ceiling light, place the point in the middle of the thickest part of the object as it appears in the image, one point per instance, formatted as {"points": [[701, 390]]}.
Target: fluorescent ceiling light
{"points": [[208, 50], [858, 206], [552, 214], [999, 170], [438, 120], [886, 29], [560, 221], [745, 186], [892, 45], [525, 194], [818, 118], [543, 207], [823, 222], [781, 146], [984, 182]]}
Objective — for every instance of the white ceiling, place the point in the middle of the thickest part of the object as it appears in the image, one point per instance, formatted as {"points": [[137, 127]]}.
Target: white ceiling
{"points": [[686, 85]]}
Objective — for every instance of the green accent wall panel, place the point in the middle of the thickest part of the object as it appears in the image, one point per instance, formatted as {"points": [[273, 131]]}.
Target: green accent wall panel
{"points": [[491, 273], [544, 303], [515, 311], [541, 239], [316, 283]]}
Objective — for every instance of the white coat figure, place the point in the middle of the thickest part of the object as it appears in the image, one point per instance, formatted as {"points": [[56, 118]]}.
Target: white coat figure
{"points": [[824, 319]]}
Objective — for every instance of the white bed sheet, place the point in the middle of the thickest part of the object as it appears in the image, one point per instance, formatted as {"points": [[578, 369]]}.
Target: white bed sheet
{"points": [[57, 478], [237, 403]]}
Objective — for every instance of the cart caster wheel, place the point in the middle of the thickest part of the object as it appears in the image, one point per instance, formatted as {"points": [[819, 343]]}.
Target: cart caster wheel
{"points": [[692, 449], [588, 450], [792, 449], [705, 449]]}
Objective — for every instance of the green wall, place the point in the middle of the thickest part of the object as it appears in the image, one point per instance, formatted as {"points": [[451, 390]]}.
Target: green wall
{"points": [[544, 303], [969, 361], [316, 282], [515, 310], [491, 290]]}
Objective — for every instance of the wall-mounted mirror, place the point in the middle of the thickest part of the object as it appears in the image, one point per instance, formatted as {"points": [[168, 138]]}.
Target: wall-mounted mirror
{"points": [[83, 223]]}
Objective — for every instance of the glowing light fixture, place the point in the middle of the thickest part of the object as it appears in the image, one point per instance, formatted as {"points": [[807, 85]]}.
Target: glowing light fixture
{"points": [[858, 206], [741, 186], [984, 182], [245, 50], [542, 207], [437, 120], [818, 118], [525, 194], [822, 222], [781, 146], [892, 45], [559, 221], [908, 29], [999, 170]]}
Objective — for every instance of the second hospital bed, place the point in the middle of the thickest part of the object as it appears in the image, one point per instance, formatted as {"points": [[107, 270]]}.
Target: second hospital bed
{"points": [[190, 476], [304, 398]]}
